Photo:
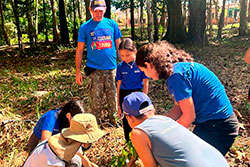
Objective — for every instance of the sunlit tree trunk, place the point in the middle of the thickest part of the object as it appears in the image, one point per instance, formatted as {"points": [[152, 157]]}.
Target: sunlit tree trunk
{"points": [[45, 23], [176, 31], [150, 22], [2, 25], [243, 30], [132, 19], [141, 19], [155, 20], [209, 18], [14, 5], [55, 28], [126, 23], [197, 22], [64, 32], [221, 21], [88, 15], [216, 10], [31, 33]]}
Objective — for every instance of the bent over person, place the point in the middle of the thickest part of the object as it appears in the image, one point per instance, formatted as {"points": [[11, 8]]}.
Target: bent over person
{"points": [[161, 141], [102, 37]]}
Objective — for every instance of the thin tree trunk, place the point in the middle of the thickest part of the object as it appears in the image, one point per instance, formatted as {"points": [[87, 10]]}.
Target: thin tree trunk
{"points": [[210, 18], [141, 19], [74, 30], [248, 11], [243, 30], [221, 21], [14, 4], [64, 32], [163, 19], [55, 28], [126, 19], [108, 11], [30, 24], [36, 21], [150, 22], [79, 11], [155, 20], [132, 19], [45, 22], [88, 15], [3, 28]]}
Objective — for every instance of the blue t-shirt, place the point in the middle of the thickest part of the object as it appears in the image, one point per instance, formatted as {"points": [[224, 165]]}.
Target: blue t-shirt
{"points": [[194, 80], [174, 145], [100, 40], [130, 75], [48, 121]]}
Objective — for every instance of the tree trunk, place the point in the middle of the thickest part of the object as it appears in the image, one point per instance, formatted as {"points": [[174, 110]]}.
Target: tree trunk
{"points": [[150, 22], [79, 11], [249, 11], [156, 26], [88, 15], [184, 10], [243, 29], [45, 22], [2, 26], [209, 18], [216, 10], [221, 21], [55, 28], [36, 21], [74, 30], [126, 19], [30, 24], [176, 32], [64, 32], [141, 19], [197, 22], [14, 4], [163, 19], [132, 19], [108, 11]]}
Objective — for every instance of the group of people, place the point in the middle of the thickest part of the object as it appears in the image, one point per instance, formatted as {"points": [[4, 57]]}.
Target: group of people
{"points": [[160, 140]]}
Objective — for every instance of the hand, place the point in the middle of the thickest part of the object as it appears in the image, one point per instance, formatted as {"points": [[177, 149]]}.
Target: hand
{"points": [[119, 113], [79, 78]]}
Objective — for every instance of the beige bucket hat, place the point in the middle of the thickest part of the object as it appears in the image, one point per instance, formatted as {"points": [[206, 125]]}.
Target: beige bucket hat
{"points": [[83, 128]]}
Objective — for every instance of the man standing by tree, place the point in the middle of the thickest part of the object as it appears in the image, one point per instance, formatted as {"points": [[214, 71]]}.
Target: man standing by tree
{"points": [[102, 38]]}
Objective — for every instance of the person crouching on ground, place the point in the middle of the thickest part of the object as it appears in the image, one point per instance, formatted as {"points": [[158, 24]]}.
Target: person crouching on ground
{"points": [[66, 148], [161, 141]]}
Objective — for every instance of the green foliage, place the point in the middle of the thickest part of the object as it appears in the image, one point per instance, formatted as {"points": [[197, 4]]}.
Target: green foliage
{"points": [[126, 154]]}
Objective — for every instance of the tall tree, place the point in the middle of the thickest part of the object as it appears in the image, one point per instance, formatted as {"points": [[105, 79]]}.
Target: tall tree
{"points": [[108, 11], [3, 24], [45, 23], [155, 20], [64, 32], [243, 30], [141, 19], [150, 22], [74, 30], [132, 19], [31, 33], [221, 21], [14, 4], [248, 11], [79, 11], [88, 15], [209, 18], [197, 22], [55, 28], [176, 31], [36, 21]]}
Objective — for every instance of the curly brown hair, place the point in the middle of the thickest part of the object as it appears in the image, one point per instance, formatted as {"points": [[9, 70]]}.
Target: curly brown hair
{"points": [[162, 55]]}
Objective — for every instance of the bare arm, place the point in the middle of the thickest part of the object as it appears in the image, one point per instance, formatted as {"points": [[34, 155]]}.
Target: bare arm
{"points": [[78, 62], [175, 112], [45, 135], [117, 43], [145, 86], [247, 56], [188, 112], [119, 112], [142, 145]]}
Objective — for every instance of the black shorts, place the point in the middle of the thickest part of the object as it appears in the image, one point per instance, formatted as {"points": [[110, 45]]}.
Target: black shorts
{"points": [[220, 133]]}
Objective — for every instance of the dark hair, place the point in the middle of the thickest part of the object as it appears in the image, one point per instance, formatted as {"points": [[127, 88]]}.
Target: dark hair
{"points": [[73, 107], [142, 106], [128, 44], [162, 55]]}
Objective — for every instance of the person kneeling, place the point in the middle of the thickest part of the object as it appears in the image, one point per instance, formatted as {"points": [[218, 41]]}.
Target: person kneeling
{"points": [[160, 141], [65, 148]]}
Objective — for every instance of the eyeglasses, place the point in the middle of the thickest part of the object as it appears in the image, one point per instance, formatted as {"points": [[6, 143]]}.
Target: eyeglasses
{"points": [[86, 148]]}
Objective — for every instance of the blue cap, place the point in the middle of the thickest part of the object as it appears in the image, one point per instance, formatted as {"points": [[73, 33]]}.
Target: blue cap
{"points": [[132, 104]]}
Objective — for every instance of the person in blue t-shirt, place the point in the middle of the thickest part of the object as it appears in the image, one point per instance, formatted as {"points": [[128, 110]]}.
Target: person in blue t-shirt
{"points": [[199, 96], [53, 121], [102, 38], [129, 79], [160, 141]]}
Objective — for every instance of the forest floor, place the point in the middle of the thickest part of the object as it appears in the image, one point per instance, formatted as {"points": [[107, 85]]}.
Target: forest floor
{"points": [[32, 85]]}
